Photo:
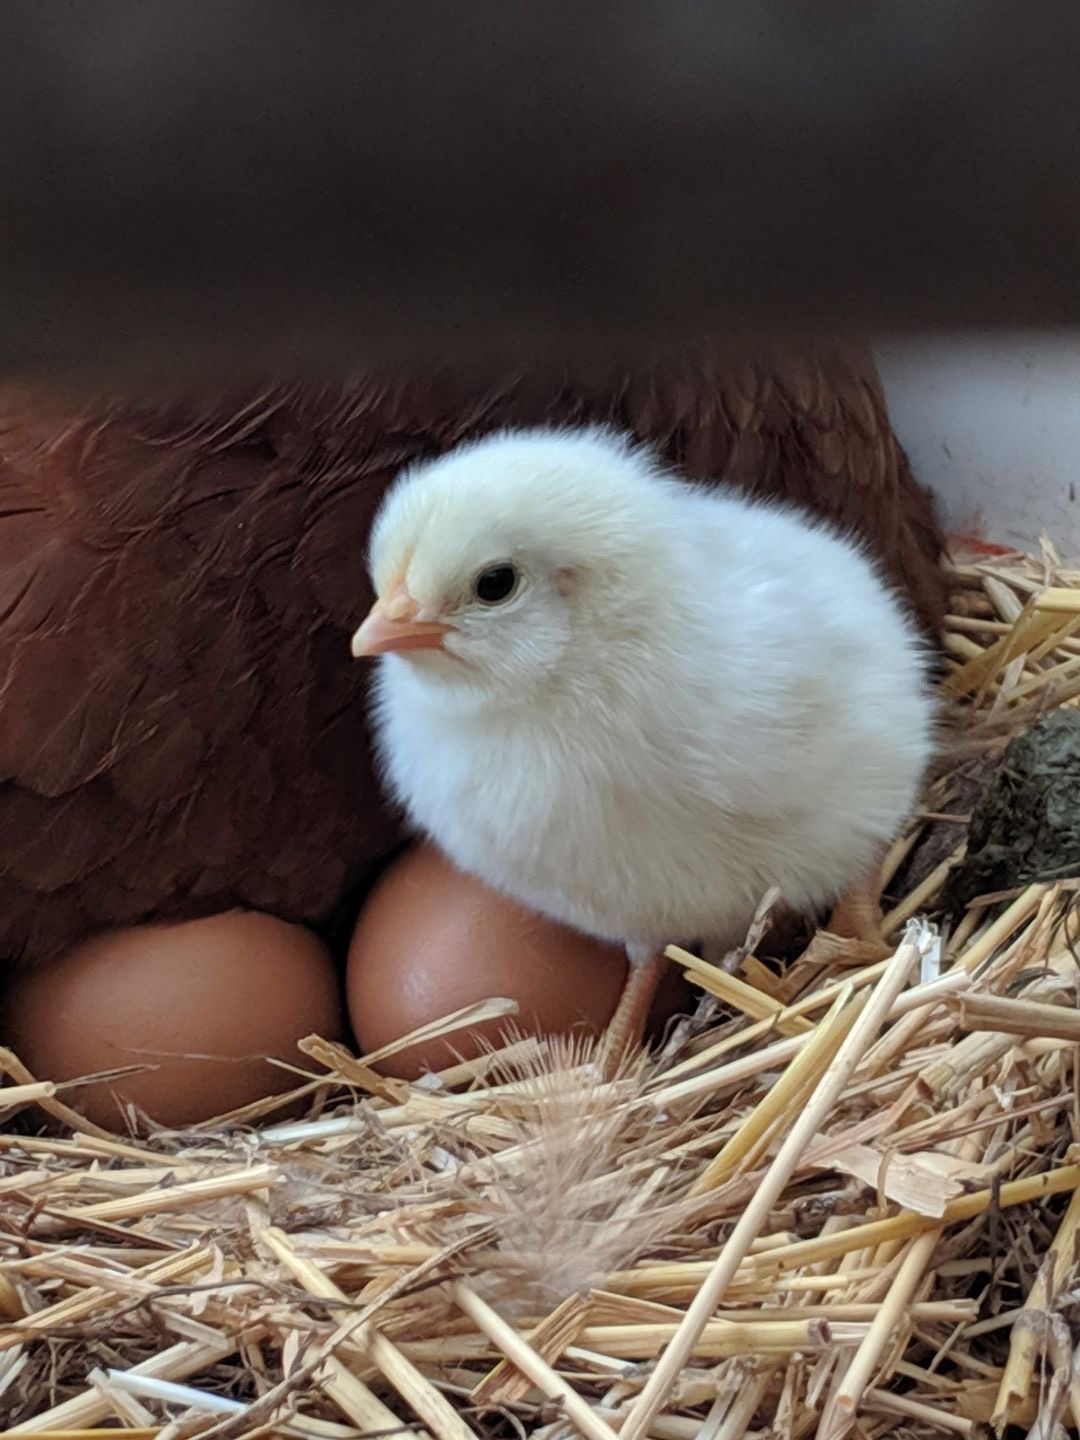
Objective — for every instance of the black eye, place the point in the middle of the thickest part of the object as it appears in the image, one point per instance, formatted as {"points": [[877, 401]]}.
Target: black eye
{"points": [[494, 586]]}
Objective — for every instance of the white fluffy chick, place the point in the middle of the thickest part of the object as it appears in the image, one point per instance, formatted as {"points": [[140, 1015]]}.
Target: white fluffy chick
{"points": [[634, 705]]}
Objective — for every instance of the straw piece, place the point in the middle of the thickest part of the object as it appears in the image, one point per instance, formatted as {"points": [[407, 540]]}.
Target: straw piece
{"points": [[921, 896], [175, 1197], [498, 1008], [1059, 601], [782, 1098], [515, 1348], [921, 1183], [1019, 1017], [929, 1414], [737, 993], [100, 1433], [900, 1227], [14, 1069], [840, 1411], [15, 1097], [347, 1068], [1021, 910], [505, 1383], [172, 1393], [350, 1394], [1024, 1343], [418, 1392], [719, 1339]]}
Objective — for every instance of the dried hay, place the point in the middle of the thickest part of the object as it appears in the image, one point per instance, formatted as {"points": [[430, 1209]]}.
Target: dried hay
{"points": [[842, 1198]]}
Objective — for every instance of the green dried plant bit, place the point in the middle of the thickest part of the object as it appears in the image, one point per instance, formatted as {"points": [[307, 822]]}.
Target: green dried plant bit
{"points": [[1027, 825]]}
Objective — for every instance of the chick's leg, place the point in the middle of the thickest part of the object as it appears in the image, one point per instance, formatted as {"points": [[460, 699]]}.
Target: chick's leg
{"points": [[857, 914], [627, 1026]]}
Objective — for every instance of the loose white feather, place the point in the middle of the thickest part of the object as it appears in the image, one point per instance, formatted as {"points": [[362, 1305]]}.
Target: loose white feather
{"points": [[688, 698], [565, 1205]]}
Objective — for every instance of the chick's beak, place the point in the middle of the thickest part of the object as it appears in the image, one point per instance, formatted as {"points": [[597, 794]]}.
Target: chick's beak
{"points": [[393, 624]]}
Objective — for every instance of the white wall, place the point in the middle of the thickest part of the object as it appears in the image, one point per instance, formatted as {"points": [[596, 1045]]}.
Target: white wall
{"points": [[993, 426]]}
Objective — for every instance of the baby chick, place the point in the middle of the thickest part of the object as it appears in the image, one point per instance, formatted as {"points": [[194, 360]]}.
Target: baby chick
{"points": [[633, 705]]}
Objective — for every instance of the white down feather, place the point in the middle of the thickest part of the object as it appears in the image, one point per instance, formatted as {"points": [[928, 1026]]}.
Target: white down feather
{"points": [[691, 698]]}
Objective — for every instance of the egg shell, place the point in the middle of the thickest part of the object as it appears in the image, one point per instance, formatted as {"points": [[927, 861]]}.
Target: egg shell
{"points": [[431, 940], [204, 1001]]}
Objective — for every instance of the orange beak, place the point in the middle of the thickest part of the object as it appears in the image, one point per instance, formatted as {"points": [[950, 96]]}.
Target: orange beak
{"points": [[393, 624]]}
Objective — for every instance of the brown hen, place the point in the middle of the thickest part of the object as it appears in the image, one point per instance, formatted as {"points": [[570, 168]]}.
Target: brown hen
{"points": [[181, 728]]}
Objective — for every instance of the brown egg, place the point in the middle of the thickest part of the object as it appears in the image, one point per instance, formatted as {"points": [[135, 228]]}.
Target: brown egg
{"points": [[204, 1002], [430, 941]]}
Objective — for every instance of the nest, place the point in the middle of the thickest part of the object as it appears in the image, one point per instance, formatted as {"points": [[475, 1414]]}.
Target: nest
{"points": [[842, 1196]]}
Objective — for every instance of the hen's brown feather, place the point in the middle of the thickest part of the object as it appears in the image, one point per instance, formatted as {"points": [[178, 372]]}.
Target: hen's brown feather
{"points": [[181, 728]]}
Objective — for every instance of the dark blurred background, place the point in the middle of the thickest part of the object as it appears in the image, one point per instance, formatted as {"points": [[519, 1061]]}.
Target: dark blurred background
{"points": [[200, 186]]}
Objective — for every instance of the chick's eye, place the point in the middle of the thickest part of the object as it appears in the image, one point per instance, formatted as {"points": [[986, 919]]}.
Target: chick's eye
{"points": [[493, 586]]}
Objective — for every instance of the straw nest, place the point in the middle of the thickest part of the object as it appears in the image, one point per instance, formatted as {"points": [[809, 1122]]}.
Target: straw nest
{"points": [[841, 1198]]}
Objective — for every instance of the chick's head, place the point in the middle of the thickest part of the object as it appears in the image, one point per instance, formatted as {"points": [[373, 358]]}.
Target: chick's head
{"points": [[517, 558]]}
